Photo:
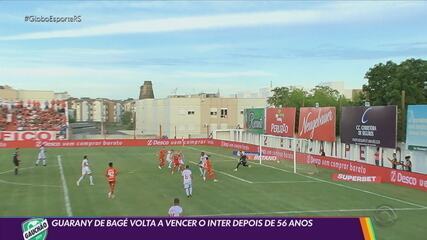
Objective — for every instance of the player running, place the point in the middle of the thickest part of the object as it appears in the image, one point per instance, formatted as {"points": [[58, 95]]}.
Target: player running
{"points": [[162, 158], [169, 158], [42, 156], [181, 161], [209, 171], [202, 161], [242, 161], [15, 160], [111, 174], [176, 162], [85, 171], [175, 210], [186, 174]]}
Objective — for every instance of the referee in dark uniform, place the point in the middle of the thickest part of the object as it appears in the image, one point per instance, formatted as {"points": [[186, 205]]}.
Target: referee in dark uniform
{"points": [[16, 160]]}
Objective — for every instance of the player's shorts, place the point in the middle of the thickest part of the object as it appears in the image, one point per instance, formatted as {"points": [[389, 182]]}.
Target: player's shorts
{"points": [[16, 163], [42, 156], [86, 170], [187, 185]]}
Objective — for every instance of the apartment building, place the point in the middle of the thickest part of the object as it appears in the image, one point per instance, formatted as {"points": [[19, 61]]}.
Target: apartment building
{"points": [[191, 115]]}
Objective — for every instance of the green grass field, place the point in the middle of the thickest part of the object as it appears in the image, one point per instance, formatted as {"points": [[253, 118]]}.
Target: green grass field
{"points": [[270, 189]]}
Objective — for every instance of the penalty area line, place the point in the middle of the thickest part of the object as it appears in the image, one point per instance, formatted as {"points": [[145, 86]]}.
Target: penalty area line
{"points": [[328, 182], [65, 189], [229, 175], [28, 184], [285, 182]]}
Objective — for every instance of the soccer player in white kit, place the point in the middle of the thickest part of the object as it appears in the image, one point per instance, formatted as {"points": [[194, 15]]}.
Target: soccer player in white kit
{"points": [[186, 174], [85, 171], [169, 158], [42, 156], [175, 210]]}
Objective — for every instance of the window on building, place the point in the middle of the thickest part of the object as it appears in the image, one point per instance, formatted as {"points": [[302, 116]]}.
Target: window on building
{"points": [[213, 112], [241, 112], [190, 113], [224, 112]]}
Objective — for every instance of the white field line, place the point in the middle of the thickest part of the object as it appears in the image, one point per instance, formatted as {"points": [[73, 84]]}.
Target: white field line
{"points": [[285, 182], [28, 184], [26, 168], [325, 181], [229, 175], [310, 211], [65, 189]]}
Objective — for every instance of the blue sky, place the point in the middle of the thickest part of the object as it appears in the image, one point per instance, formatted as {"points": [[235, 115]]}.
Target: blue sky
{"points": [[204, 46]]}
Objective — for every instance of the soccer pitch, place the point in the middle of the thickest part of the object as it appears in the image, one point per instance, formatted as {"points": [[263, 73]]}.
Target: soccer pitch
{"points": [[271, 189]]}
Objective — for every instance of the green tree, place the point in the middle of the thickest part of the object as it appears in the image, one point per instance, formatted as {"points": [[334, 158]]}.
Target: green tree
{"points": [[296, 97], [127, 118], [287, 97], [387, 81]]}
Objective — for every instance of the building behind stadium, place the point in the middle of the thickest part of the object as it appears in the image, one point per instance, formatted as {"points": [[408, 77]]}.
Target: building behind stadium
{"points": [[196, 115]]}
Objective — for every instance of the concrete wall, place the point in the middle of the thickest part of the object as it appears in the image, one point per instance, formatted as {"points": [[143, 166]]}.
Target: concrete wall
{"points": [[336, 149]]}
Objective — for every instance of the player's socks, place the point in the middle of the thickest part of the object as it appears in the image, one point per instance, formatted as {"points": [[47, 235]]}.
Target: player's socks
{"points": [[109, 194], [235, 169], [78, 181], [91, 180], [160, 167], [16, 171]]}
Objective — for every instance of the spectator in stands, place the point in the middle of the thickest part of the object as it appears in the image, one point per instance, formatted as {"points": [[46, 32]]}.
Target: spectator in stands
{"points": [[322, 152], [32, 117], [377, 157], [393, 161], [408, 163]]}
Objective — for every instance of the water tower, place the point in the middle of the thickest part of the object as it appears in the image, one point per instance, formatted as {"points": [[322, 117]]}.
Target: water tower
{"points": [[146, 90]]}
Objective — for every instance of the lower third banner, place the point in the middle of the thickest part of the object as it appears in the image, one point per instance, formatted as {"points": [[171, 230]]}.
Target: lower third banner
{"points": [[40, 228]]}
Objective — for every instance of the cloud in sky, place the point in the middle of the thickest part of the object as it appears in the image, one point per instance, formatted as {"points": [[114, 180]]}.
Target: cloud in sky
{"points": [[233, 46], [330, 13]]}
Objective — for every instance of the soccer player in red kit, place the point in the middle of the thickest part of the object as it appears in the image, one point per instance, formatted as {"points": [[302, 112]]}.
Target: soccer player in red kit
{"points": [[162, 158], [176, 162], [111, 174], [209, 170]]}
